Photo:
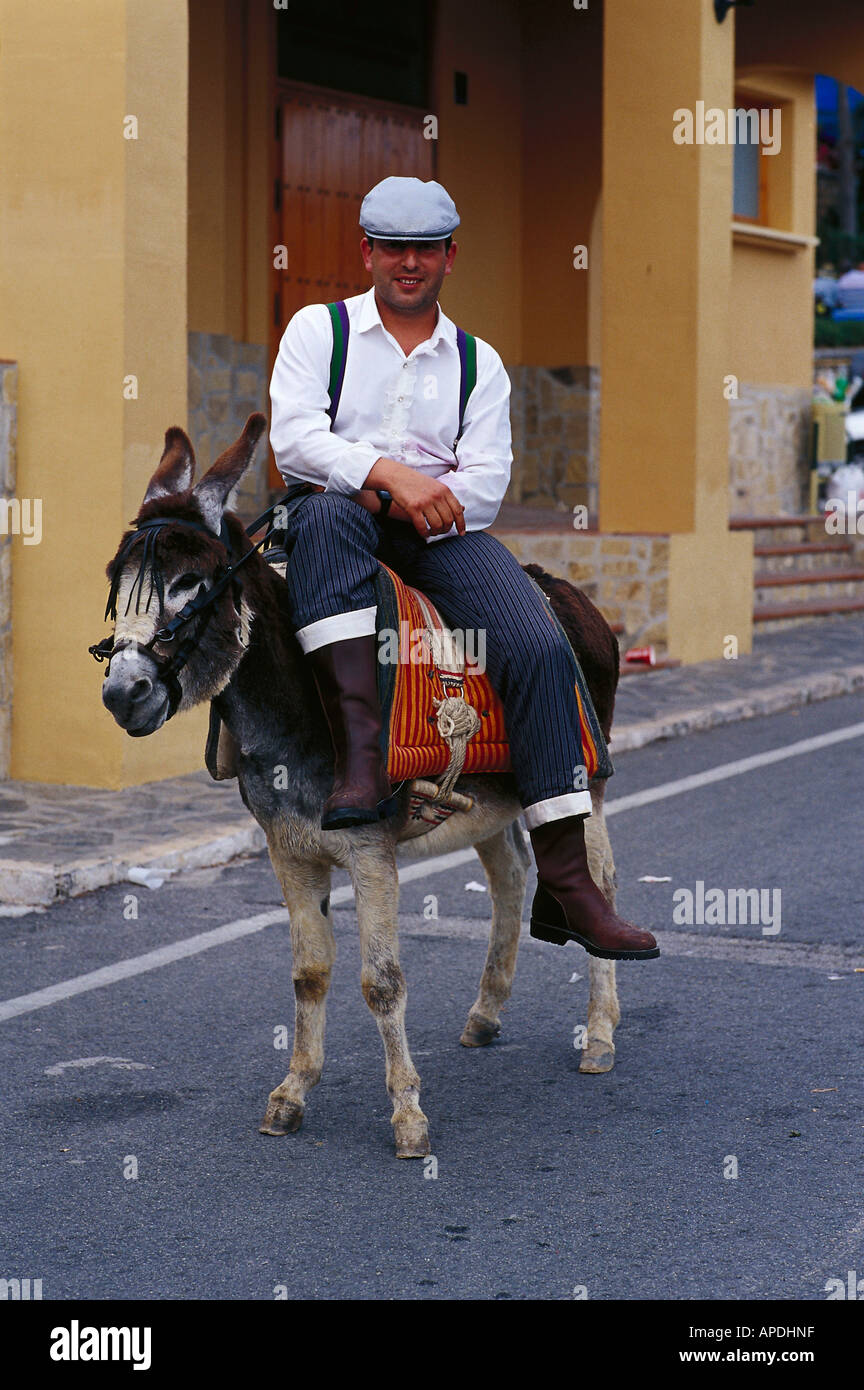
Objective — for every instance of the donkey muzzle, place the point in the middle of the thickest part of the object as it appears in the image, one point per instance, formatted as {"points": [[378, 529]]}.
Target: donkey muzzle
{"points": [[133, 692]]}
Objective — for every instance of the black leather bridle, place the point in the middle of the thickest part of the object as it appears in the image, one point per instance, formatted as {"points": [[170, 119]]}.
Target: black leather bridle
{"points": [[200, 607]]}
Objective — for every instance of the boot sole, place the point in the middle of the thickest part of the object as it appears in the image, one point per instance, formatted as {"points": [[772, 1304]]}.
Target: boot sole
{"points": [[343, 817], [542, 932]]}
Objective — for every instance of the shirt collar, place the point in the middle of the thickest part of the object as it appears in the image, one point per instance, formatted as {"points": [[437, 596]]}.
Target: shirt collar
{"points": [[369, 317]]}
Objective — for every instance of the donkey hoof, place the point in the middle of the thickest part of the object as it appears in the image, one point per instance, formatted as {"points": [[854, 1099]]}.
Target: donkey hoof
{"points": [[479, 1032], [281, 1117], [598, 1057], [412, 1137]]}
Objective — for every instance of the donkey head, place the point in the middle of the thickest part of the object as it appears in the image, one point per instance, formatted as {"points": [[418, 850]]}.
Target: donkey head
{"points": [[180, 547]]}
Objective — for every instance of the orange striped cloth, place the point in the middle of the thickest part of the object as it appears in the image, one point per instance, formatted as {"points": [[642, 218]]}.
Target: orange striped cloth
{"points": [[408, 687]]}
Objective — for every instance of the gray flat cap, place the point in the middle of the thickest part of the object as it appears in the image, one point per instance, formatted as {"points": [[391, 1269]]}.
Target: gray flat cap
{"points": [[401, 209]]}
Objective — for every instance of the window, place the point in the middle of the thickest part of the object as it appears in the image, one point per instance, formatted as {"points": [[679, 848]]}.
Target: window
{"points": [[747, 183]]}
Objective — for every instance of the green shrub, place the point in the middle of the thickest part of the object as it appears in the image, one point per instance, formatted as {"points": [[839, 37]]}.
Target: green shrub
{"points": [[846, 333]]}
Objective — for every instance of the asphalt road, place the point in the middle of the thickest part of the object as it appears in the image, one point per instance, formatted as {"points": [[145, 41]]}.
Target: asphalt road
{"points": [[737, 1043]]}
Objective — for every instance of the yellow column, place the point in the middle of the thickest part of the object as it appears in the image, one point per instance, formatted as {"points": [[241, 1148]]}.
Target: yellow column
{"points": [[665, 326], [93, 287]]}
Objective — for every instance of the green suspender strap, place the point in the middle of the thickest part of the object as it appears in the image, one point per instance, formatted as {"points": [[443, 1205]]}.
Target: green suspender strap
{"points": [[338, 356], [465, 343], [467, 346]]}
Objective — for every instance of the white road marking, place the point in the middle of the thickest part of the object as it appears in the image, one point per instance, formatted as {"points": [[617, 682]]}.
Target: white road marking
{"points": [[247, 926], [193, 945], [733, 769]]}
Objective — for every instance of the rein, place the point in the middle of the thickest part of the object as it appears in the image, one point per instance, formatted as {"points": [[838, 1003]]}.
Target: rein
{"points": [[201, 606]]}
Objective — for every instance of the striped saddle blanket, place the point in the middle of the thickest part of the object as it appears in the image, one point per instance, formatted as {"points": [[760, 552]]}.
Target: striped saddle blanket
{"points": [[440, 715]]}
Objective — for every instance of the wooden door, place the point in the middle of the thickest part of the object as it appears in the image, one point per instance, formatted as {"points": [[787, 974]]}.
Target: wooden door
{"points": [[333, 148]]}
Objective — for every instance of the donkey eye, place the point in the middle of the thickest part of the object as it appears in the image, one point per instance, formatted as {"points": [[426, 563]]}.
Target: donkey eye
{"points": [[187, 581]]}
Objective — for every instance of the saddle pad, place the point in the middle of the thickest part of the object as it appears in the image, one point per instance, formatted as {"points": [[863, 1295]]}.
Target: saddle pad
{"points": [[410, 740]]}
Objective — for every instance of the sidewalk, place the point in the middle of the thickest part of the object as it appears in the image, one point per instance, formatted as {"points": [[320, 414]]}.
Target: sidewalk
{"points": [[59, 842]]}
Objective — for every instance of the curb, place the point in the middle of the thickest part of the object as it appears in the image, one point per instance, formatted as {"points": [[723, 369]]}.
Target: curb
{"points": [[25, 883], [774, 699], [40, 885]]}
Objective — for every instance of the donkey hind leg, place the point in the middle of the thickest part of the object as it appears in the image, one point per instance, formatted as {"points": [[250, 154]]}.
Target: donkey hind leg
{"points": [[604, 1012], [306, 886], [376, 889], [505, 859]]}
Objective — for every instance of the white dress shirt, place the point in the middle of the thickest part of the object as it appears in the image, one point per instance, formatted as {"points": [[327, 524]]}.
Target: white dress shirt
{"points": [[392, 406]]}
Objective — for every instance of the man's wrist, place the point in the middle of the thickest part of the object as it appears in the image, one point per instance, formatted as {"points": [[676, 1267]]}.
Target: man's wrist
{"points": [[381, 474]]}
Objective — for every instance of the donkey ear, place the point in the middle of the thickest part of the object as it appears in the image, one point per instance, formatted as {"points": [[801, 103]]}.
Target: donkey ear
{"points": [[212, 492], [176, 466]]}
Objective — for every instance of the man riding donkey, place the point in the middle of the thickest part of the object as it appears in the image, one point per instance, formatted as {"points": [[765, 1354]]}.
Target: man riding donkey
{"points": [[371, 406]]}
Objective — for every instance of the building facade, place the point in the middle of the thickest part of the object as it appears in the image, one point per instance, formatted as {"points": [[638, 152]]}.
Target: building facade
{"points": [[179, 175]]}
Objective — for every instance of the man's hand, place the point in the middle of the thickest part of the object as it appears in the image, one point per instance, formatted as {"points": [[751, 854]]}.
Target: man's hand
{"points": [[426, 502]]}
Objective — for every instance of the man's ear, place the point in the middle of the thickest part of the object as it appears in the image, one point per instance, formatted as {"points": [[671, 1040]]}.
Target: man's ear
{"points": [[450, 258], [212, 491]]}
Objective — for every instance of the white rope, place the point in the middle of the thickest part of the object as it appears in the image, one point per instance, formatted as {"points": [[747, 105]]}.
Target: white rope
{"points": [[457, 720]]}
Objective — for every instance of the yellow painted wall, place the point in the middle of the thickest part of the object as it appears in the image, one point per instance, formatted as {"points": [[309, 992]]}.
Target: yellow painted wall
{"points": [[780, 45], [771, 309], [666, 289], [522, 161], [230, 132], [480, 164], [827, 37], [534, 84], [562, 54], [666, 270], [93, 230]]}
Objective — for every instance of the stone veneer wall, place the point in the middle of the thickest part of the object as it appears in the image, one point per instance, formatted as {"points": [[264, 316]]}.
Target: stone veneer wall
{"points": [[627, 576], [8, 430], [555, 415], [769, 450], [228, 380]]}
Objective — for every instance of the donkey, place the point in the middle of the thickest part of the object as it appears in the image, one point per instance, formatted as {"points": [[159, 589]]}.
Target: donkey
{"points": [[239, 652]]}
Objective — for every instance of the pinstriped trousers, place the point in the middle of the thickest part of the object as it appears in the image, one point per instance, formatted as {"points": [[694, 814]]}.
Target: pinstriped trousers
{"points": [[476, 584]]}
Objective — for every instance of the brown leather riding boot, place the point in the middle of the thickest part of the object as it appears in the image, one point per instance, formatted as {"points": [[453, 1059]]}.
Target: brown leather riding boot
{"points": [[346, 674], [568, 905]]}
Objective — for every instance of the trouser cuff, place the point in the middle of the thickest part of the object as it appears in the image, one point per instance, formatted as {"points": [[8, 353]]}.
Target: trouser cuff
{"points": [[338, 628], [557, 807]]}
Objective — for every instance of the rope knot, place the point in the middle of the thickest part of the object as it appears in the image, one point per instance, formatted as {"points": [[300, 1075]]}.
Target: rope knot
{"points": [[457, 722]]}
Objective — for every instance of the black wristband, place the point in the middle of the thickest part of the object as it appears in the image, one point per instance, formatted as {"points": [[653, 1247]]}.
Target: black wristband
{"points": [[386, 500]]}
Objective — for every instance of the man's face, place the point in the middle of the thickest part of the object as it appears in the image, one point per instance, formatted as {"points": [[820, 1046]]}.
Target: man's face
{"points": [[407, 275]]}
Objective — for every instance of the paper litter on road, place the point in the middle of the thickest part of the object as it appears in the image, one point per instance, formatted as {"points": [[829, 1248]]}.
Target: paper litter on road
{"points": [[148, 878], [473, 887]]}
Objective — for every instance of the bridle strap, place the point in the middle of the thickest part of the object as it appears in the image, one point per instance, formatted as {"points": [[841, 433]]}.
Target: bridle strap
{"points": [[201, 606]]}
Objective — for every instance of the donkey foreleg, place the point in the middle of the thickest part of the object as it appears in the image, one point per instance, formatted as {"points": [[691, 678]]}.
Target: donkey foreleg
{"points": [[604, 1011], [306, 885], [505, 861], [376, 889]]}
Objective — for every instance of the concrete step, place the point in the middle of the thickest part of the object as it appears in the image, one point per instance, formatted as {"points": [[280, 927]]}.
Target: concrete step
{"points": [[772, 617], [802, 556], [768, 530], [807, 587]]}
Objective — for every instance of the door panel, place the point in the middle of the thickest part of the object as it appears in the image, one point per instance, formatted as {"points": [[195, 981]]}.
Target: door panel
{"points": [[334, 148]]}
